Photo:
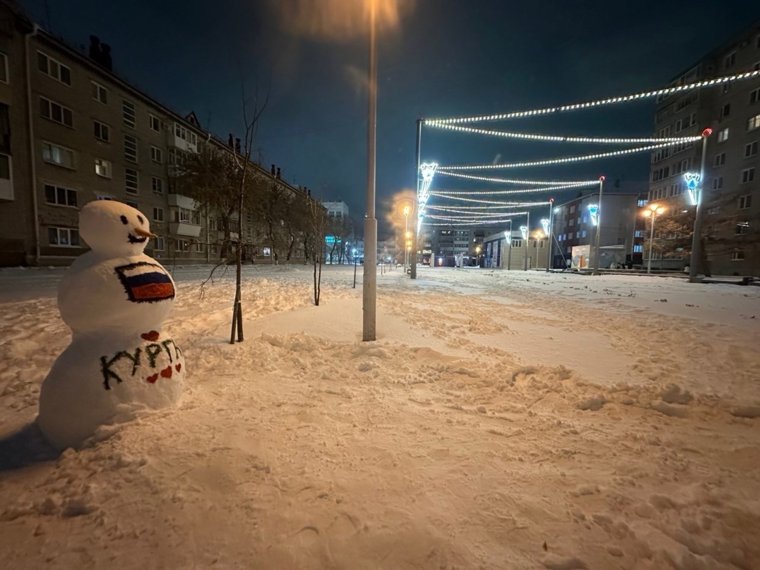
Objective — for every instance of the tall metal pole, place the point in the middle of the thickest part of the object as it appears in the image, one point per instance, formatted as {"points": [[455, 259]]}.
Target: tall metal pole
{"points": [[413, 261], [509, 254], [696, 243], [527, 239], [551, 230], [406, 234], [598, 251], [651, 242], [369, 293]]}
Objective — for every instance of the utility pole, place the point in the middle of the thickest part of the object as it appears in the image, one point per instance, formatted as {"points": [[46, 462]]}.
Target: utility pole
{"points": [[369, 293], [416, 220], [597, 250]]}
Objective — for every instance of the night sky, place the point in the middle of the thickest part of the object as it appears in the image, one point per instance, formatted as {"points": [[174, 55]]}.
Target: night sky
{"points": [[445, 58]]}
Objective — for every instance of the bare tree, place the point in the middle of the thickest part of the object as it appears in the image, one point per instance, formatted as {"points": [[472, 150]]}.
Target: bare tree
{"points": [[251, 118], [316, 239]]}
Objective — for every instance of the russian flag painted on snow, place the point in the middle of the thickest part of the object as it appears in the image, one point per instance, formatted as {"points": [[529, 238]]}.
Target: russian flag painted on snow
{"points": [[145, 282]]}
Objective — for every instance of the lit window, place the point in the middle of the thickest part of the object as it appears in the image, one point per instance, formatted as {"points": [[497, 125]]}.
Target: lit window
{"points": [[723, 135], [103, 168]]}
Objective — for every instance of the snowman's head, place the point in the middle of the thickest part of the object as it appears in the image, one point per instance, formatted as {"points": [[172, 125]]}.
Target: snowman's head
{"points": [[113, 229]]}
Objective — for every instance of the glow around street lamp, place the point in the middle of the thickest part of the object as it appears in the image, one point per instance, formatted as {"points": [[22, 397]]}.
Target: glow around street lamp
{"points": [[692, 186], [593, 210]]}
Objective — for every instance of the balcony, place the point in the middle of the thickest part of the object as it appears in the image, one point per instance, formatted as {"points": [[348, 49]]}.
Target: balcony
{"points": [[185, 229], [181, 201]]}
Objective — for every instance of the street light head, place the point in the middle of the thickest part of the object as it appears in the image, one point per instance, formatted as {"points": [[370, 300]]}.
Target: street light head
{"points": [[647, 213], [707, 132], [406, 210], [660, 210]]}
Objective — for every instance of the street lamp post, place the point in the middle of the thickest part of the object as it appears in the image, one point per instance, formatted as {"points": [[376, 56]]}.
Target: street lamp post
{"points": [[597, 237], [477, 256], [406, 235], [369, 293], [353, 251], [547, 223], [697, 195], [525, 231], [509, 244], [652, 211]]}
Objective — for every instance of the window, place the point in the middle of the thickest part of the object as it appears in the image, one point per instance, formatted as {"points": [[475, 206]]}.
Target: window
{"points": [[56, 112], [158, 244], [60, 196], [58, 155], [638, 233], [99, 93], [720, 159], [3, 67], [184, 134], [679, 126], [723, 135], [185, 216], [131, 181], [742, 228], [729, 60], [737, 255], [754, 96], [102, 131], [155, 123], [183, 245], [750, 149], [725, 111], [516, 243], [157, 185], [753, 123], [156, 154], [717, 183], [130, 148], [747, 175], [63, 237], [745, 201], [53, 68], [638, 248], [199, 247], [158, 214], [103, 168], [128, 114], [570, 235]]}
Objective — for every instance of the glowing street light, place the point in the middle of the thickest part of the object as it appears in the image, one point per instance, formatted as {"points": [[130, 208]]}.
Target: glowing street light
{"points": [[406, 234], [696, 194], [652, 211]]}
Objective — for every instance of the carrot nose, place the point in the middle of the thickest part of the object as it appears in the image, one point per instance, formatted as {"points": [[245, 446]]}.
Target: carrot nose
{"points": [[144, 233]]}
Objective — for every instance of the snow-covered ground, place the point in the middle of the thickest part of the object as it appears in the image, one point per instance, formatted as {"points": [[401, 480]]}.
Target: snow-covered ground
{"points": [[501, 420]]}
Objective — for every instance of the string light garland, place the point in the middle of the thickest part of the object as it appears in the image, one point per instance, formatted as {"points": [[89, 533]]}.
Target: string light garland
{"points": [[501, 192], [601, 102], [463, 219], [562, 138], [563, 160], [502, 206], [568, 183], [469, 224], [476, 201], [468, 215]]}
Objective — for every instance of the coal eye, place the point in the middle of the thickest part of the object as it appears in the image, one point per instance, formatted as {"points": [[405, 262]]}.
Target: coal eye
{"points": [[123, 220], [140, 219]]}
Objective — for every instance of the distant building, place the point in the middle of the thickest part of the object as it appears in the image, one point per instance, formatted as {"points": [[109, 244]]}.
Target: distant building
{"points": [[337, 210], [731, 229], [515, 253]]}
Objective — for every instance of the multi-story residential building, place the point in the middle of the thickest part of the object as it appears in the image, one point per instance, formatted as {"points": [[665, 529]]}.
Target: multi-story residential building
{"points": [[73, 131], [621, 237], [731, 229], [336, 210]]}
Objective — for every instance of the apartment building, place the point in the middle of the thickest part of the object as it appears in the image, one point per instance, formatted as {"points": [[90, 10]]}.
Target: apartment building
{"points": [[621, 237], [731, 232], [74, 131]]}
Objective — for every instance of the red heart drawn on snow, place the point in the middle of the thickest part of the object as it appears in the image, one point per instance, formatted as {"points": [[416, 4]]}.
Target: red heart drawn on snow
{"points": [[152, 378], [166, 372], [178, 366], [152, 336]]}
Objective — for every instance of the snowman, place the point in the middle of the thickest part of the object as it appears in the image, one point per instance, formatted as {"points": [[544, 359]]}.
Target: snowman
{"points": [[114, 299]]}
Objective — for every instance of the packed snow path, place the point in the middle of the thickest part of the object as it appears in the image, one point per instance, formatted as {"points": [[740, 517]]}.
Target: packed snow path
{"points": [[501, 420]]}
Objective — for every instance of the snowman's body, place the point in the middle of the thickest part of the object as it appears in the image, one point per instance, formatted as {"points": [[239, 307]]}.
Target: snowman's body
{"points": [[119, 361]]}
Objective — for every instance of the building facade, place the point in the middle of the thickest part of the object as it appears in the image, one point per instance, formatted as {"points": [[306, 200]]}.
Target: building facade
{"points": [[73, 131], [731, 232]]}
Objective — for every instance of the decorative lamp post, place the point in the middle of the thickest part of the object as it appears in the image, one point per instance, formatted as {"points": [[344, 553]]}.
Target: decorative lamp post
{"points": [[696, 192], [406, 234], [508, 236], [598, 224], [652, 211], [546, 226], [524, 232]]}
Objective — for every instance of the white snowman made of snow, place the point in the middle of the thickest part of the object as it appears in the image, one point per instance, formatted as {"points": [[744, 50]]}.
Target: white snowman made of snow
{"points": [[114, 299]]}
